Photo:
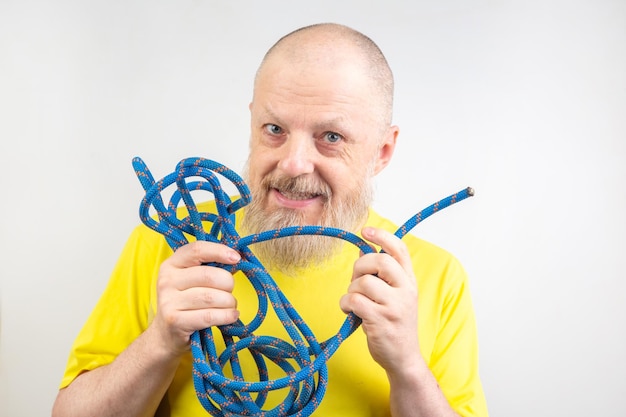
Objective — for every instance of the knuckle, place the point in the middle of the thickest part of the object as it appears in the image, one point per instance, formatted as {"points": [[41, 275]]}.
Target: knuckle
{"points": [[371, 283], [196, 249], [164, 270], [207, 276], [394, 314], [357, 303], [163, 282], [207, 298], [387, 261], [209, 318], [402, 249], [169, 317]]}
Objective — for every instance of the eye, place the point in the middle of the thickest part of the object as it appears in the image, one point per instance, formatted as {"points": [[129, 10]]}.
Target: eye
{"points": [[273, 129], [333, 137]]}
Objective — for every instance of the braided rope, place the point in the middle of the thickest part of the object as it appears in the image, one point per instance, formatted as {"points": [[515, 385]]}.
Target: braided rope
{"points": [[219, 395]]}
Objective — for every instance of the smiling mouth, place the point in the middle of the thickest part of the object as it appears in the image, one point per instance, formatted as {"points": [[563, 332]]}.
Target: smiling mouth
{"points": [[297, 196], [297, 192], [296, 200]]}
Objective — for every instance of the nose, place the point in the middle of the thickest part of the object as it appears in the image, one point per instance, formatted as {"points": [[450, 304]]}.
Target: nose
{"points": [[297, 156]]}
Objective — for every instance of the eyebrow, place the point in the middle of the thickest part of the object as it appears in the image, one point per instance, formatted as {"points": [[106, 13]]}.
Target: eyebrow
{"points": [[267, 112], [339, 121]]}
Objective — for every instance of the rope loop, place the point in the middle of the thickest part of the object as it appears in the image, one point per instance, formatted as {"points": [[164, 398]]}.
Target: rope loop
{"points": [[218, 394]]}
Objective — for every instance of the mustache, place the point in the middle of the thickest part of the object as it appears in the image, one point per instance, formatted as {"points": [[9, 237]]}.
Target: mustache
{"points": [[298, 185]]}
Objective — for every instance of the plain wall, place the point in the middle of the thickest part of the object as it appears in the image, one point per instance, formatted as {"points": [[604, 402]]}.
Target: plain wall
{"points": [[523, 100]]}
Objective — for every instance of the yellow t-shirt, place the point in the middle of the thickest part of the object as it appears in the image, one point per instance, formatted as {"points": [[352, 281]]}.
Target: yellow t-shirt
{"points": [[357, 385]]}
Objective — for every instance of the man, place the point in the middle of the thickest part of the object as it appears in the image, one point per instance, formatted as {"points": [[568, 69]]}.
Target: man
{"points": [[320, 131]]}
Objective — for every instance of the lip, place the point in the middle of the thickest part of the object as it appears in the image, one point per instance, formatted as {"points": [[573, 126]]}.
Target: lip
{"points": [[283, 201]]}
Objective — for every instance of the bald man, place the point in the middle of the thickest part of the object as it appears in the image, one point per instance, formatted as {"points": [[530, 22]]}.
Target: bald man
{"points": [[321, 131]]}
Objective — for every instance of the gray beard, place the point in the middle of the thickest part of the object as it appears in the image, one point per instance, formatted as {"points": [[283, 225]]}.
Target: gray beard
{"points": [[290, 255]]}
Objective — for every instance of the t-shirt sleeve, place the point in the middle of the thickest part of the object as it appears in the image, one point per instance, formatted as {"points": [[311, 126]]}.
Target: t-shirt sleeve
{"points": [[123, 311], [454, 358]]}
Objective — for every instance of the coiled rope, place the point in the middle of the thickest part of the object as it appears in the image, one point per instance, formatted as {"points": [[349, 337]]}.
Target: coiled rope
{"points": [[218, 394]]}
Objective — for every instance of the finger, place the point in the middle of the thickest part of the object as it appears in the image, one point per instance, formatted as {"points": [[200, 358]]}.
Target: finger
{"points": [[193, 320], [380, 265], [204, 276], [205, 298], [390, 244], [359, 304], [200, 252], [372, 288]]}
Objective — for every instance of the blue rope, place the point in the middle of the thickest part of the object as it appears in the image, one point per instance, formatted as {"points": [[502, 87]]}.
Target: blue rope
{"points": [[219, 395]]}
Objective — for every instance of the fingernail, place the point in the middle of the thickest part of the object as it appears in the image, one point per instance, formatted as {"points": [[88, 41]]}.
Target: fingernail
{"points": [[233, 256]]}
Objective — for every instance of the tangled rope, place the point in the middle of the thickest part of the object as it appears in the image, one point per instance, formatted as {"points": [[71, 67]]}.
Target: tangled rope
{"points": [[218, 394]]}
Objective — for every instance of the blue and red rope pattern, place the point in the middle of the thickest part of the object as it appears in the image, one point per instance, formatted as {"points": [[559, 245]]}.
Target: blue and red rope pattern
{"points": [[220, 395]]}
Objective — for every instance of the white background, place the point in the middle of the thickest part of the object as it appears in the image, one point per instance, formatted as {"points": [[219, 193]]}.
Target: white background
{"points": [[523, 100]]}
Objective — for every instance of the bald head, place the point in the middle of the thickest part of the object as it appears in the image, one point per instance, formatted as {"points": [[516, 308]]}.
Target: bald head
{"points": [[330, 46]]}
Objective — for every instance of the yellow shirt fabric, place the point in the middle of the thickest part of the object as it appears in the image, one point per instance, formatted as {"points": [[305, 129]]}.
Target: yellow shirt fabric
{"points": [[357, 385]]}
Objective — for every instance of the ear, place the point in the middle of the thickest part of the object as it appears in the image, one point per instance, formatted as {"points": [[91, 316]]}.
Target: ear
{"points": [[386, 149]]}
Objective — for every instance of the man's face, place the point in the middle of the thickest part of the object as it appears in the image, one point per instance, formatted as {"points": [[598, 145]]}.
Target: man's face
{"points": [[321, 127], [316, 142]]}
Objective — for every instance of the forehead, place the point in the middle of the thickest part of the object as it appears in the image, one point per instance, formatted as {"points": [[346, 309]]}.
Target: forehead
{"points": [[338, 92]]}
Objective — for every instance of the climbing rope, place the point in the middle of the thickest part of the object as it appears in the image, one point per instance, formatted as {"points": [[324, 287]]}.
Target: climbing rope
{"points": [[218, 394]]}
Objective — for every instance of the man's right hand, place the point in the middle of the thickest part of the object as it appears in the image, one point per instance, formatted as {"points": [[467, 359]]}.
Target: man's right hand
{"points": [[193, 296], [190, 296]]}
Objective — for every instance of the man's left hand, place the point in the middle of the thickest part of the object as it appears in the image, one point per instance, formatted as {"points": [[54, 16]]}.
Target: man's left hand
{"points": [[383, 293]]}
